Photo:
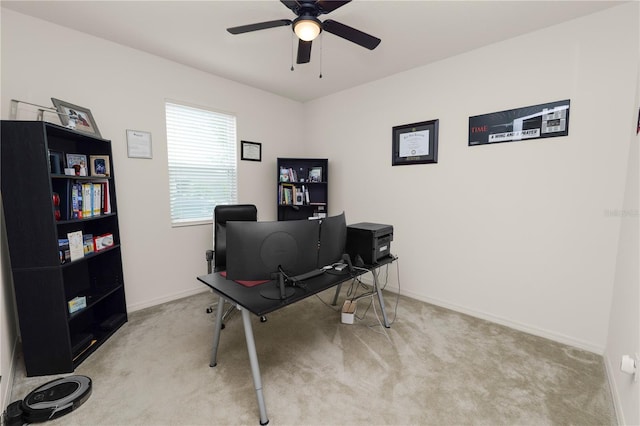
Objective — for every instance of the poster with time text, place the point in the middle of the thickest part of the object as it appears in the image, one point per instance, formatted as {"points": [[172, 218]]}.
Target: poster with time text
{"points": [[533, 122]]}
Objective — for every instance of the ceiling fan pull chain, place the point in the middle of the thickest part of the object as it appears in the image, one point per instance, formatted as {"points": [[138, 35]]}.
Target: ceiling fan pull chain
{"points": [[321, 44], [291, 50]]}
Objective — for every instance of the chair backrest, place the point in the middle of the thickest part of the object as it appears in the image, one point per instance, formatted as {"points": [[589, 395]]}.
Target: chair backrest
{"points": [[222, 214]]}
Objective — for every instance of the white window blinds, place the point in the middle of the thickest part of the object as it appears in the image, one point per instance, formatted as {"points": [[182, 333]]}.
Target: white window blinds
{"points": [[201, 149]]}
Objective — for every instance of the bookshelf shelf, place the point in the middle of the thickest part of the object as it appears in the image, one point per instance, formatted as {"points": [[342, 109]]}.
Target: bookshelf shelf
{"points": [[55, 341], [88, 256], [302, 188], [93, 299], [86, 219]]}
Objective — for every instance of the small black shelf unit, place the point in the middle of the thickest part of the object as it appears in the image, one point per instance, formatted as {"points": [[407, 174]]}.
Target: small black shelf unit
{"points": [[54, 340], [302, 188]]}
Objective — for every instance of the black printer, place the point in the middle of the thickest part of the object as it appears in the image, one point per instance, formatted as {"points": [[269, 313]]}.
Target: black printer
{"points": [[371, 241]]}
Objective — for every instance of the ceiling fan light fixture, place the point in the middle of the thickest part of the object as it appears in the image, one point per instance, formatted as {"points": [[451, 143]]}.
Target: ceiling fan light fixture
{"points": [[307, 28]]}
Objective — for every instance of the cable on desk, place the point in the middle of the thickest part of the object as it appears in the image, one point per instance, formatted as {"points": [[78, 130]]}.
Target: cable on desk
{"points": [[383, 286], [293, 283], [335, 309], [386, 281], [356, 282]]}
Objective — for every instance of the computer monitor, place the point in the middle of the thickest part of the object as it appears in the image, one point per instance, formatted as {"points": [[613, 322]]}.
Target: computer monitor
{"points": [[333, 239], [267, 250]]}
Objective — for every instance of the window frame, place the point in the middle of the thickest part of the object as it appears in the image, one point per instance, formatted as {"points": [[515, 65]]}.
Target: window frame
{"points": [[198, 173]]}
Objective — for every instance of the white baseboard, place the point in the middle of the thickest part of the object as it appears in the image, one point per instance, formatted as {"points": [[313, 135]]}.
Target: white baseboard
{"points": [[557, 337], [164, 299], [615, 396], [7, 379]]}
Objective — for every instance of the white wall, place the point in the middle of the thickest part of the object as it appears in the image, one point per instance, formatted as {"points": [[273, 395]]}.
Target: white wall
{"points": [[515, 232], [624, 321], [126, 89], [519, 233]]}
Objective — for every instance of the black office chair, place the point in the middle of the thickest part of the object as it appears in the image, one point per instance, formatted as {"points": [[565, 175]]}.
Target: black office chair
{"points": [[217, 258]]}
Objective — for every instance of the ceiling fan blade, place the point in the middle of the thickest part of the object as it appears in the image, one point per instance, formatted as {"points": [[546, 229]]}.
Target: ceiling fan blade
{"points": [[259, 26], [291, 4], [351, 34], [304, 52], [327, 6]]}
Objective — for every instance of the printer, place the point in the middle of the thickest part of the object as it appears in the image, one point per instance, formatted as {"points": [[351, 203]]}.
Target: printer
{"points": [[371, 241]]}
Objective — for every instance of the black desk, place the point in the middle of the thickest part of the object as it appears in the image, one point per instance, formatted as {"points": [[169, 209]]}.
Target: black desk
{"points": [[249, 301]]}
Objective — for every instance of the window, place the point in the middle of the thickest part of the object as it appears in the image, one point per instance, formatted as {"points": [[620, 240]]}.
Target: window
{"points": [[201, 150]]}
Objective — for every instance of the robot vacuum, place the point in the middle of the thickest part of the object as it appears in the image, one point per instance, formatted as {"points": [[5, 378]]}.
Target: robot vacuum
{"points": [[51, 400]]}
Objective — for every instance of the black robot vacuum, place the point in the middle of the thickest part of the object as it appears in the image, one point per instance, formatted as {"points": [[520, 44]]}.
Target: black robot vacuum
{"points": [[53, 399]]}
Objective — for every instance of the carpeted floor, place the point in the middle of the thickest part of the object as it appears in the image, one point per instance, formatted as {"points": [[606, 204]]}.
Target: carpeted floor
{"points": [[432, 367]]}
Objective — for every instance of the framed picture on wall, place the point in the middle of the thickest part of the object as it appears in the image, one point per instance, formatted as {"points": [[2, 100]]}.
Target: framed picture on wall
{"points": [[251, 151], [521, 124], [415, 143]]}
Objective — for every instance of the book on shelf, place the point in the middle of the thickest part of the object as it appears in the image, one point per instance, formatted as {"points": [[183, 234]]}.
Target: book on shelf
{"points": [[290, 194], [286, 193], [87, 242], [90, 199], [76, 201], [287, 174], [87, 199], [105, 201], [96, 199], [63, 248], [76, 245]]}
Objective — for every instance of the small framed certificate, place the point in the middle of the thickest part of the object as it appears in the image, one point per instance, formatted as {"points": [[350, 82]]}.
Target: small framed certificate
{"points": [[139, 144], [251, 151], [415, 143]]}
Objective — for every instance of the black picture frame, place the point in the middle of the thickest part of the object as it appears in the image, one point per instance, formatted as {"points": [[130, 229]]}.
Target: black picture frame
{"points": [[415, 143], [250, 151], [529, 123]]}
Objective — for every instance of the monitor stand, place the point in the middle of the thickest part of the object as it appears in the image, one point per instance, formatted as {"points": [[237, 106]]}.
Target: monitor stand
{"points": [[280, 292]]}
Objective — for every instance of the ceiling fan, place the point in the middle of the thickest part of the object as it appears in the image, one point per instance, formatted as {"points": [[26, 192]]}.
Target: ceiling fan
{"points": [[307, 26]]}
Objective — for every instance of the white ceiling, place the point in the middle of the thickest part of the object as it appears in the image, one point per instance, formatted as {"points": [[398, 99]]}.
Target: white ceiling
{"points": [[413, 33]]}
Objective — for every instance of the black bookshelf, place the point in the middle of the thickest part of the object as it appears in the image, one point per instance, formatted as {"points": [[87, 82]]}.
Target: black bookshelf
{"points": [[302, 188], [54, 340]]}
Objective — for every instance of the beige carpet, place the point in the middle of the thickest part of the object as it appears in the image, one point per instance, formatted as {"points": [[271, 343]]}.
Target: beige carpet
{"points": [[432, 367]]}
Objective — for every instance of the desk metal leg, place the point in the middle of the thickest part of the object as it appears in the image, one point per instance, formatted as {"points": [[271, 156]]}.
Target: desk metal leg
{"points": [[376, 286], [255, 368], [216, 333], [335, 298]]}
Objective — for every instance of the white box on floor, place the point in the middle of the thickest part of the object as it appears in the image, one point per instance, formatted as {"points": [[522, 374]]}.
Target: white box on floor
{"points": [[348, 311]]}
